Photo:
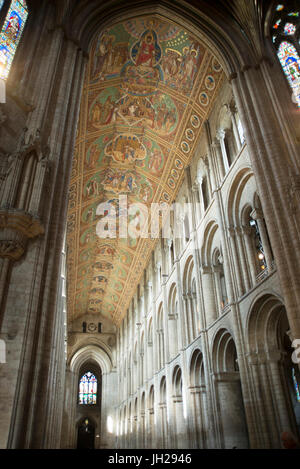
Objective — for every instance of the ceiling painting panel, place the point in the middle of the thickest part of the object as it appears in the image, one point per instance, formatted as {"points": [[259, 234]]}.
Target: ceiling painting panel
{"points": [[149, 88]]}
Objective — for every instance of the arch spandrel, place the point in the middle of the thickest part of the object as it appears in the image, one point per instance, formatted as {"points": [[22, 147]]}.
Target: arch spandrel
{"points": [[149, 87]]}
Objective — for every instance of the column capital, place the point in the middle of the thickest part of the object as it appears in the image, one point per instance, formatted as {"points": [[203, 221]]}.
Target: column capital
{"points": [[206, 269], [221, 134], [231, 231]]}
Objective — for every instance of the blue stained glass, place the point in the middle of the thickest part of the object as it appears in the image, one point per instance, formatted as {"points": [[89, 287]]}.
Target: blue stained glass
{"points": [[296, 385], [1, 4], [11, 34], [88, 389]]}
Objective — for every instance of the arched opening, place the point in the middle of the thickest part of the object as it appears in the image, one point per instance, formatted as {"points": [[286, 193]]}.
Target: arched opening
{"points": [[163, 413], [205, 193], [199, 398], [135, 424], [86, 434], [275, 376], [143, 421], [151, 432], [161, 338], [231, 410], [89, 395], [142, 359], [150, 350], [179, 432]]}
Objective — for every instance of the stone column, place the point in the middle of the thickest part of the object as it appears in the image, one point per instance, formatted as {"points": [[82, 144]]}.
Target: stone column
{"points": [[187, 318], [261, 437], [241, 250], [209, 295], [267, 400], [285, 423], [197, 194], [236, 260], [216, 152], [163, 426], [232, 111], [182, 329], [248, 233], [193, 319], [221, 137], [233, 424]]}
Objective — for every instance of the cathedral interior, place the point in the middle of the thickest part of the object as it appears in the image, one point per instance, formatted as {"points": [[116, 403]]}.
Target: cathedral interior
{"points": [[149, 224]]}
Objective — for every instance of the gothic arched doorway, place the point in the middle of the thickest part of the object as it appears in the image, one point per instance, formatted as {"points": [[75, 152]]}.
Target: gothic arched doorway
{"points": [[86, 435], [232, 424]]}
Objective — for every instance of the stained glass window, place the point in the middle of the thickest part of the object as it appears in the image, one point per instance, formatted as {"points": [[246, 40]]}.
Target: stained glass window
{"points": [[289, 29], [1, 4], [296, 385], [88, 389], [11, 34], [285, 37], [290, 63]]}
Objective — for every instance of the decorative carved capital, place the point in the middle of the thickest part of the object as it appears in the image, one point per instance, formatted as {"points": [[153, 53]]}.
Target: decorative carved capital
{"points": [[221, 134], [16, 228], [33, 141]]}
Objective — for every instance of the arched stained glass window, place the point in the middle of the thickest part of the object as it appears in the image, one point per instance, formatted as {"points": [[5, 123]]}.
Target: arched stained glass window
{"points": [[286, 39], [11, 34], [296, 385], [88, 389]]}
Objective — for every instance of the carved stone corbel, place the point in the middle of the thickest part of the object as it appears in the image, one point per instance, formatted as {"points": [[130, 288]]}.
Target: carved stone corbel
{"points": [[16, 228]]}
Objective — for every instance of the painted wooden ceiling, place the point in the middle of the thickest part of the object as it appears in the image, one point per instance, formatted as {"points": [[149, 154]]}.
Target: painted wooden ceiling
{"points": [[148, 90]]}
